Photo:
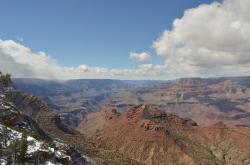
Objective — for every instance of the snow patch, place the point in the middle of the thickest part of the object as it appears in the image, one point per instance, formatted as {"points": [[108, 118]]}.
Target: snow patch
{"points": [[51, 163], [12, 134], [34, 145], [3, 162]]}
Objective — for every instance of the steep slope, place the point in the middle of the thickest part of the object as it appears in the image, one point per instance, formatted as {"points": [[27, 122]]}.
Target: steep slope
{"points": [[73, 99], [206, 101], [23, 141], [154, 137], [23, 113]]}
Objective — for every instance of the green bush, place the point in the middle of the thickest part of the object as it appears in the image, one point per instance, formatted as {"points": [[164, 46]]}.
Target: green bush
{"points": [[5, 79], [22, 147]]}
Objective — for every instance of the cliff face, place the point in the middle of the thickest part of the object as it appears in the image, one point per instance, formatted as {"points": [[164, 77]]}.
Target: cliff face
{"points": [[22, 138], [153, 133], [206, 101], [154, 137]]}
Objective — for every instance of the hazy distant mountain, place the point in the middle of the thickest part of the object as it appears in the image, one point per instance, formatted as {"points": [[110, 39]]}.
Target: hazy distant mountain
{"points": [[206, 101], [186, 121]]}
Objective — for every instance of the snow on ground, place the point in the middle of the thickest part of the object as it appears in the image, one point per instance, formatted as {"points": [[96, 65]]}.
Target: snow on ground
{"points": [[51, 163], [59, 154], [12, 134], [59, 144], [4, 107], [51, 150], [3, 162], [34, 145]]}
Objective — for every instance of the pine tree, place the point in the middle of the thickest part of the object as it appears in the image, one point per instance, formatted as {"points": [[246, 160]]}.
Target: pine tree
{"points": [[5, 80], [22, 149], [4, 136], [14, 147], [1, 146]]}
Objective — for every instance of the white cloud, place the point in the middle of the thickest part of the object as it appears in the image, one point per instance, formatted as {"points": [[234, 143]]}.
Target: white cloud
{"points": [[20, 61], [212, 39], [139, 56]]}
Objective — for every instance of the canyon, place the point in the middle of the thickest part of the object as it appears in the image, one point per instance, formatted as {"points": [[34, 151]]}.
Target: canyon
{"points": [[184, 121]]}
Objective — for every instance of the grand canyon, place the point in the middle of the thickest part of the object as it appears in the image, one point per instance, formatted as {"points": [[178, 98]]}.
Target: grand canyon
{"points": [[125, 82], [184, 121]]}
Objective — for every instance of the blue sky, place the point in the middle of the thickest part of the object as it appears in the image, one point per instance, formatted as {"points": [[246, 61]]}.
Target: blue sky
{"points": [[93, 32], [124, 39]]}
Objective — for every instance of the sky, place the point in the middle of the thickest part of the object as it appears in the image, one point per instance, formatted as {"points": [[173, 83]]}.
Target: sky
{"points": [[132, 39]]}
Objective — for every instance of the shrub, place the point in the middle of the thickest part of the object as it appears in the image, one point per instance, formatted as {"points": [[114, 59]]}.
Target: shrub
{"points": [[5, 79]]}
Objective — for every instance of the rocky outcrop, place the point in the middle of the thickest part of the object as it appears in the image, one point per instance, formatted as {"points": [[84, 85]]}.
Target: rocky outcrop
{"points": [[206, 101], [151, 137], [20, 114]]}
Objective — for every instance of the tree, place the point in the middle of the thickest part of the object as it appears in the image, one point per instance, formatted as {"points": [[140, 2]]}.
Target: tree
{"points": [[14, 147], [22, 149], [1, 144], [4, 136], [5, 80]]}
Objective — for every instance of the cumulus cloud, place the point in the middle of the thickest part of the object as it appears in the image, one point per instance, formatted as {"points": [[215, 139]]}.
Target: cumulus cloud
{"points": [[209, 40], [139, 56], [21, 61]]}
